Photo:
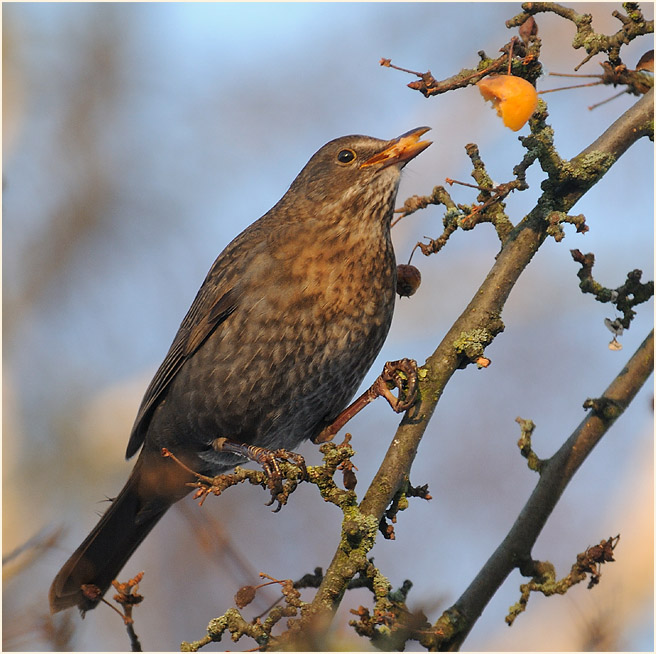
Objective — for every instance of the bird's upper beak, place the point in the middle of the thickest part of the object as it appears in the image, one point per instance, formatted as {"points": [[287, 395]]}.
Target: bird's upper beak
{"points": [[402, 149]]}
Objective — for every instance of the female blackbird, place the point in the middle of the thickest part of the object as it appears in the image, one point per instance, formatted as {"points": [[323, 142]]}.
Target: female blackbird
{"points": [[284, 328]]}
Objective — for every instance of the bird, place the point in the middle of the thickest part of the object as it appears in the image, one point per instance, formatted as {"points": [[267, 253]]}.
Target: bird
{"points": [[279, 337]]}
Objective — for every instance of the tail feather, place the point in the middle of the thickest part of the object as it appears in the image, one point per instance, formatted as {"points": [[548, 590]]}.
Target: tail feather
{"points": [[145, 498]]}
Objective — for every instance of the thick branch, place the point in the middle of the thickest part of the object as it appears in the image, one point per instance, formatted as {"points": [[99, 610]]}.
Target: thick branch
{"points": [[636, 122], [555, 474]]}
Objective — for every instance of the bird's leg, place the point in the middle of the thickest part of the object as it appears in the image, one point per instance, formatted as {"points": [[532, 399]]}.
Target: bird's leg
{"points": [[401, 375], [268, 459]]}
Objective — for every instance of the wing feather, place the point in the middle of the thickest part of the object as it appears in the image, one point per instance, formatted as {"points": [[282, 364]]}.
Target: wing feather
{"points": [[206, 313]]}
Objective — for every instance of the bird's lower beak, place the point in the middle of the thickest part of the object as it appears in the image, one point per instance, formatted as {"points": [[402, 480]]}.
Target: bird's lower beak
{"points": [[404, 148]]}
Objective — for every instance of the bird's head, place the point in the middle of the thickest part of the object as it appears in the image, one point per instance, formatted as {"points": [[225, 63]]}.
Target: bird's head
{"points": [[356, 171]]}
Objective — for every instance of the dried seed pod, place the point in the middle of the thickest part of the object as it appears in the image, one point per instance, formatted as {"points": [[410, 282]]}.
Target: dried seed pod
{"points": [[408, 280], [350, 480], [528, 29], [245, 595]]}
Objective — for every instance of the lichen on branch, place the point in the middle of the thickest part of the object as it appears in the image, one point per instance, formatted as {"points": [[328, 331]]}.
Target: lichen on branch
{"points": [[633, 25], [624, 298], [544, 578]]}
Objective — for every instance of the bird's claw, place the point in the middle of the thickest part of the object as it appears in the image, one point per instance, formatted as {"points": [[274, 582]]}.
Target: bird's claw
{"points": [[402, 374], [268, 460]]}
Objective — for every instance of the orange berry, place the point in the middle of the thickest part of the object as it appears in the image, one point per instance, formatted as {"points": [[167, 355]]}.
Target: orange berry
{"points": [[514, 98]]}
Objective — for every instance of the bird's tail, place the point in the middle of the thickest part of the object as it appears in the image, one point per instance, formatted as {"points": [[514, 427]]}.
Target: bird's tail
{"points": [[154, 485]]}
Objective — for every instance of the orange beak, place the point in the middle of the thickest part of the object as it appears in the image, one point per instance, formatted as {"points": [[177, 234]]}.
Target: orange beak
{"points": [[404, 148]]}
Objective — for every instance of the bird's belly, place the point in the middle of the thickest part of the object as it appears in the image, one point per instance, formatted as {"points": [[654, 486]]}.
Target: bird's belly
{"points": [[272, 383]]}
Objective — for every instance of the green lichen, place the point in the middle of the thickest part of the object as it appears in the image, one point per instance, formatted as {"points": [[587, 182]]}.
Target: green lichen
{"points": [[472, 343]]}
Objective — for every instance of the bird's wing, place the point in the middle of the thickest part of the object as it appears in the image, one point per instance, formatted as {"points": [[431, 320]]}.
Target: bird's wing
{"points": [[208, 310]]}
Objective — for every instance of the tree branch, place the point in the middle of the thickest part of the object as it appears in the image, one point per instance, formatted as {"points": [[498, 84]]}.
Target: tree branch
{"points": [[555, 474], [633, 25]]}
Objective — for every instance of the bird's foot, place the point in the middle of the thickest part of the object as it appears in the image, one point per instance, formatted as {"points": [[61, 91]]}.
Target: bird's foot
{"points": [[401, 375], [268, 459]]}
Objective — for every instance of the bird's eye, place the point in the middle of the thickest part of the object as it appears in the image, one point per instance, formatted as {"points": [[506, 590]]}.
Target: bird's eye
{"points": [[346, 156]]}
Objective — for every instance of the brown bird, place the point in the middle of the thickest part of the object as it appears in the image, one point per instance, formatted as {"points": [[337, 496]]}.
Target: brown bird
{"points": [[280, 335]]}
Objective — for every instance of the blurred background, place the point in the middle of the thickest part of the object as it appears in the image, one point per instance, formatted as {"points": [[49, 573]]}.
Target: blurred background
{"points": [[138, 140]]}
